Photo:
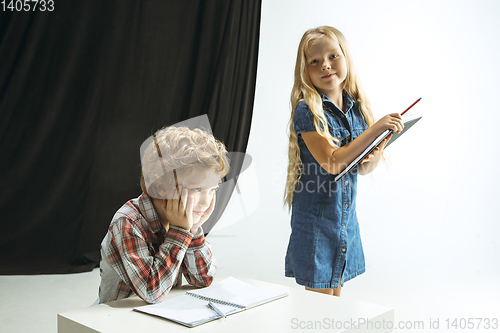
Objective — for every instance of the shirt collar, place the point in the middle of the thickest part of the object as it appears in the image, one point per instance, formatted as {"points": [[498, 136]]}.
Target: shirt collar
{"points": [[348, 101], [148, 211]]}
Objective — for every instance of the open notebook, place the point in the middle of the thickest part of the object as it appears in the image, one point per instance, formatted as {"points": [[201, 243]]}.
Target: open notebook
{"points": [[229, 296]]}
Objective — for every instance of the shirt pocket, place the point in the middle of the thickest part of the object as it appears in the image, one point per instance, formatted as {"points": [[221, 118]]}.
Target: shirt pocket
{"points": [[342, 135], [358, 128], [357, 132]]}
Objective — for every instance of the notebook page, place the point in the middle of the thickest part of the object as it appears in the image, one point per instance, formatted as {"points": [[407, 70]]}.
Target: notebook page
{"points": [[186, 310], [234, 291]]}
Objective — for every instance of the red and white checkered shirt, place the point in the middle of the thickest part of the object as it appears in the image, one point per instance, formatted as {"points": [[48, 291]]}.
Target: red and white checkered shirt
{"points": [[139, 256]]}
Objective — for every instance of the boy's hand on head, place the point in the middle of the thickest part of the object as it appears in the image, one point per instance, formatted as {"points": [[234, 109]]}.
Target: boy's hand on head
{"points": [[204, 217], [179, 214]]}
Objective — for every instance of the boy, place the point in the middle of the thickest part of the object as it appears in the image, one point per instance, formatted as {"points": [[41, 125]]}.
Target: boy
{"points": [[155, 237]]}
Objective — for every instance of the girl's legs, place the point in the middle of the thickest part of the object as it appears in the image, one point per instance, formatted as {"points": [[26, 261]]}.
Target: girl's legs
{"points": [[328, 291], [336, 292]]}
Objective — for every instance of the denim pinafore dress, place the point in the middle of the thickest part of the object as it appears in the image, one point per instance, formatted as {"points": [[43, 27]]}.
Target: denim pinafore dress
{"points": [[325, 243]]}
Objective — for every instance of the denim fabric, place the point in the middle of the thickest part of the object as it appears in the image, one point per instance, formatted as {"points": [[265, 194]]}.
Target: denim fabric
{"points": [[325, 232]]}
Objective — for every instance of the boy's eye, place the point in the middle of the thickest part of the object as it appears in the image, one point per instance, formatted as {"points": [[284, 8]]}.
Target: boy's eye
{"points": [[333, 56], [199, 189], [313, 61]]}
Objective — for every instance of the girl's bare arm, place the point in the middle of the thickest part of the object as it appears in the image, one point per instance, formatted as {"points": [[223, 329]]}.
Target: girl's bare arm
{"points": [[336, 160]]}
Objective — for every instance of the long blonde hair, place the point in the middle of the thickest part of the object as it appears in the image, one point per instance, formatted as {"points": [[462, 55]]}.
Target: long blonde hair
{"points": [[304, 90]]}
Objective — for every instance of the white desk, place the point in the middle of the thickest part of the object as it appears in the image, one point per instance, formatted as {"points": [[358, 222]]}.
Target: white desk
{"points": [[300, 311]]}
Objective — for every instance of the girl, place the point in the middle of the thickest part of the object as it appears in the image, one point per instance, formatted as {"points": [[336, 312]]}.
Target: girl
{"points": [[330, 125]]}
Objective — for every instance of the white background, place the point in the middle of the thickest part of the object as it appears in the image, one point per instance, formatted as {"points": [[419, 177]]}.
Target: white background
{"points": [[429, 216]]}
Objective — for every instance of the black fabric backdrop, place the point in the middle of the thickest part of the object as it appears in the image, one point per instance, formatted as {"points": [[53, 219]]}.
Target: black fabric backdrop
{"points": [[82, 87]]}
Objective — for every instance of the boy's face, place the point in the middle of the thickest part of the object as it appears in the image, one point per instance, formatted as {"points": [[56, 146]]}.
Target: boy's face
{"points": [[202, 185]]}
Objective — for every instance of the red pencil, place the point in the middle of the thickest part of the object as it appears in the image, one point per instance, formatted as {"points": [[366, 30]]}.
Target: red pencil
{"points": [[411, 106]]}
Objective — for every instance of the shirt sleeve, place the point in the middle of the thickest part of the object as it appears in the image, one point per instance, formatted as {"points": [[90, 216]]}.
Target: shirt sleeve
{"points": [[150, 276], [199, 265], [303, 120]]}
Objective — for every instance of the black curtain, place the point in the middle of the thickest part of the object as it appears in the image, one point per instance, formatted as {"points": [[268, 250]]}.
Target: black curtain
{"points": [[82, 86]]}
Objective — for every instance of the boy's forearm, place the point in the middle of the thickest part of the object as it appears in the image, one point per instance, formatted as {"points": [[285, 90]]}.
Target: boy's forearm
{"points": [[180, 253], [165, 267], [199, 265], [149, 275]]}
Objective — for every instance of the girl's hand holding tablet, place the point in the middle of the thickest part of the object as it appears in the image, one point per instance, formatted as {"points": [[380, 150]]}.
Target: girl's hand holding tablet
{"points": [[393, 122], [375, 155]]}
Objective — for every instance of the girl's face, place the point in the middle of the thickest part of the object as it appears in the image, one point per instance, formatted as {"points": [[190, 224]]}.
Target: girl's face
{"points": [[326, 66], [202, 185]]}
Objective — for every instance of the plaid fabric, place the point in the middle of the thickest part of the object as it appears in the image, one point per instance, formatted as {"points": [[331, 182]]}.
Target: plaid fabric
{"points": [[139, 256]]}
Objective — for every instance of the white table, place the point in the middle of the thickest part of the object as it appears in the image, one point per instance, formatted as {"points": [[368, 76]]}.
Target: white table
{"points": [[300, 311]]}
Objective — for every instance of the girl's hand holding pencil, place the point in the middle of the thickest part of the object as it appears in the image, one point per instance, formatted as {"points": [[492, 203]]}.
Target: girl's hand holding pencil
{"points": [[392, 121]]}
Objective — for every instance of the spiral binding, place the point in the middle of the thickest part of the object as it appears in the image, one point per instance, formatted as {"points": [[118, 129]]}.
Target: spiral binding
{"points": [[215, 300]]}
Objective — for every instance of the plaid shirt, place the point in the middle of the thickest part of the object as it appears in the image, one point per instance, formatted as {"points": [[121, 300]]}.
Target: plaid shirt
{"points": [[139, 256]]}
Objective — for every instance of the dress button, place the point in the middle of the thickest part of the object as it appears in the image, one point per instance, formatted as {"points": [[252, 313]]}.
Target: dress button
{"points": [[346, 182], [346, 206], [343, 249], [343, 227]]}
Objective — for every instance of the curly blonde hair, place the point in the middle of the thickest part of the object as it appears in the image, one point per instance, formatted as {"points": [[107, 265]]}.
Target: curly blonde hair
{"points": [[304, 90], [174, 152]]}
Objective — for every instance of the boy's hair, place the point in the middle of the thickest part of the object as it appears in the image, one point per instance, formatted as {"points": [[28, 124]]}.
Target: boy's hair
{"points": [[304, 90], [173, 153]]}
